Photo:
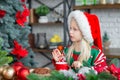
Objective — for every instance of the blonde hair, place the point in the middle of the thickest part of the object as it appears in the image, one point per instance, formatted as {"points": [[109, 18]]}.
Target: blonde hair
{"points": [[85, 49]]}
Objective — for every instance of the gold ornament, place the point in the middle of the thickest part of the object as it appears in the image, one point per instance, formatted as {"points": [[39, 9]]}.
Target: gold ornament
{"points": [[2, 68], [8, 73]]}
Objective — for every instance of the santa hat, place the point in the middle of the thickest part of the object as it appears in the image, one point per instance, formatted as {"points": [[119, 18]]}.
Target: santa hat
{"points": [[89, 26]]}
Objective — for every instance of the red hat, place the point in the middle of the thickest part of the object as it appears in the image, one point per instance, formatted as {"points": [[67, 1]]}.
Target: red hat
{"points": [[89, 26], [95, 27]]}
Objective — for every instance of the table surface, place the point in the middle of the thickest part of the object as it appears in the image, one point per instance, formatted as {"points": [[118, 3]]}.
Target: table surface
{"points": [[110, 53]]}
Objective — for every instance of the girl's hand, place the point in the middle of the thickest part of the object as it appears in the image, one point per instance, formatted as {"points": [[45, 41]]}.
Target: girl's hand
{"points": [[76, 64], [57, 56]]}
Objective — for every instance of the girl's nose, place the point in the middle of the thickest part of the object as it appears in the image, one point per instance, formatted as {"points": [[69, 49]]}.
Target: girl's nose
{"points": [[70, 31]]}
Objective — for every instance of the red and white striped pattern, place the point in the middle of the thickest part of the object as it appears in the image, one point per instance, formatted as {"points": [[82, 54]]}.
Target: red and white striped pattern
{"points": [[100, 62]]}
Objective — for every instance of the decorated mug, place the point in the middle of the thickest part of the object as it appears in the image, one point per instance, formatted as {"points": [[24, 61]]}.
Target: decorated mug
{"points": [[61, 66]]}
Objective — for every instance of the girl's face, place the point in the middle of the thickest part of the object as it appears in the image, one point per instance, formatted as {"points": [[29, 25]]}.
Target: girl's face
{"points": [[75, 33]]}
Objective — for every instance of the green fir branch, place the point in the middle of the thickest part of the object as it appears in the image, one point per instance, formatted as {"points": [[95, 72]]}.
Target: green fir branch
{"points": [[33, 76], [115, 61], [106, 76], [55, 75], [100, 76], [91, 75]]}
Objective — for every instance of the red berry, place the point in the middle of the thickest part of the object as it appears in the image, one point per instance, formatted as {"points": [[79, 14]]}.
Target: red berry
{"points": [[22, 73]]}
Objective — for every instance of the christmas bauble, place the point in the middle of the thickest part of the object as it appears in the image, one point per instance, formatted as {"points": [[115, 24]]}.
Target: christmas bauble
{"points": [[2, 68], [17, 66], [22, 73], [18, 63], [8, 73]]}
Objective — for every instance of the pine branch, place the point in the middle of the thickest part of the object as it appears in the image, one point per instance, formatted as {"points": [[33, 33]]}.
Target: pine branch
{"points": [[59, 76], [101, 76], [115, 61], [106, 76], [91, 75], [55, 75], [33, 76]]}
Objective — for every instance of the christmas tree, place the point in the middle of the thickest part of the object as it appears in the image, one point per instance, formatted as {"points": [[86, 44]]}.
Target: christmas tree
{"points": [[105, 37], [15, 30]]}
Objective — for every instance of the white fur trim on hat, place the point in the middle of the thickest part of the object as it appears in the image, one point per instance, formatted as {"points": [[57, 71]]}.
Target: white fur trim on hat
{"points": [[83, 24]]}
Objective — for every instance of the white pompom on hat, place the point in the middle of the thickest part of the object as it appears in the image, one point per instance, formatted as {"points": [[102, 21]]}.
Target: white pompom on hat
{"points": [[83, 24]]}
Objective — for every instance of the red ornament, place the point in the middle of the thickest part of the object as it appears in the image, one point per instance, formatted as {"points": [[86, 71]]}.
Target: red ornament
{"points": [[22, 73], [18, 63], [2, 13], [17, 66]]}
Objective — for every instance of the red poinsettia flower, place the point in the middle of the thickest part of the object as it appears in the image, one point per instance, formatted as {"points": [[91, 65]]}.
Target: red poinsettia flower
{"points": [[2, 13], [26, 12], [21, 17], [18, 51]]}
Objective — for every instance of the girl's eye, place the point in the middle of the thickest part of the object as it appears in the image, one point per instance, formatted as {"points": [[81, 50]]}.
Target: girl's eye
{"points": [[75, 29], [70, 28]]}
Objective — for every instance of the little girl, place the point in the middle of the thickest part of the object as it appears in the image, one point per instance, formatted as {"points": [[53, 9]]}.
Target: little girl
{"points": [[82, 50]]}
